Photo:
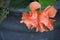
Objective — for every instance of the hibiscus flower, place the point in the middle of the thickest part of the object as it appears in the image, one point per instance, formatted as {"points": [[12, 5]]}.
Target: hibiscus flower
{"points": [[39, 20]]}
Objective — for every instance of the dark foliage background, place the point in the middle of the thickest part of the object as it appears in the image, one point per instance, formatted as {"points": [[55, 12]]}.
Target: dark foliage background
{"points": [[11, 29]]}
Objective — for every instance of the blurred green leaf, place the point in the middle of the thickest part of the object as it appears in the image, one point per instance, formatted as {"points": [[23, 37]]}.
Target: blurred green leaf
{"points": [[19, 3], [3, 3], [45, 3], [3, 14], [3, 10]]}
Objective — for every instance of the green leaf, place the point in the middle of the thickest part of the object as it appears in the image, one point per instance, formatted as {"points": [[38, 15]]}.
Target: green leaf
{"points": [[3, 14], [45, 3], [3, 11], [19, 3]]}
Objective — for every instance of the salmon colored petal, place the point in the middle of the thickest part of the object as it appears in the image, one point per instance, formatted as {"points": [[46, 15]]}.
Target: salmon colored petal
{"points": [[52, 21], [34, 5], [51, 11], [44, 19]]}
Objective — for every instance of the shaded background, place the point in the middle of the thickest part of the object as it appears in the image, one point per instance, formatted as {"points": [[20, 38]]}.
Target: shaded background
{"points": [[11, 29]]}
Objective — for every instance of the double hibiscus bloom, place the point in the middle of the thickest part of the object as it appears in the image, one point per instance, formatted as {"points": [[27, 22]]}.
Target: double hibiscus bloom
{"points": [[41, 21]]}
